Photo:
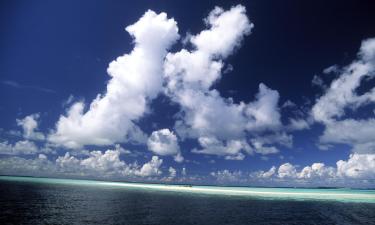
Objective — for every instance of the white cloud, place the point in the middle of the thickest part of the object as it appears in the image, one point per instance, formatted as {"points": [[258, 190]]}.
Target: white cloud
{"points": [[287, 170], [107, 164], [298, 124], [262, 149], [97, 164], [109, 161], [39, 166], [172, 174], [331, 69], [220, 125], [264, 112], [357, 171], [268, 173], [42, 156], [317, 170], [342, 91], [151, 168], [202, 111], [24, 147], [226, 176], [358, 133], [341, 97], [164, 142], [207, 114], [318, 81], [225, 32], [357, 166], [29, 125], [136, 78], [232, 150], [191, 74], [262, 144], [69, 163]]}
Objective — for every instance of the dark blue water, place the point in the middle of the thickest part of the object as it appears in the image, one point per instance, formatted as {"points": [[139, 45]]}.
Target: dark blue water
{"points": [[35, 203]]}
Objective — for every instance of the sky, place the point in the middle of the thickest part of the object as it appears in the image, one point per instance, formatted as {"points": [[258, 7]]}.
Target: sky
{"points": [[255, 93]]}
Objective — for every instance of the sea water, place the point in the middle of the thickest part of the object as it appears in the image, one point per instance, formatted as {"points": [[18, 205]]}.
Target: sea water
{"points": [[28, 200]]}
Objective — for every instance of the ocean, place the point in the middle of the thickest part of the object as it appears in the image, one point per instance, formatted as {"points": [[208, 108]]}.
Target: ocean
{"points": [[26, 200]]}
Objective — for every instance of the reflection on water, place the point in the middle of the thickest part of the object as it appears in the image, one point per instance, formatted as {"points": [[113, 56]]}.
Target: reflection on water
{"points": [[44, 203]]}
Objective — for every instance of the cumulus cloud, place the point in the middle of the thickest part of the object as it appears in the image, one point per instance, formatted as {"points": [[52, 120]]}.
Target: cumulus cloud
{"points": [[356, 171], [358, 133], [263, 144], [164, 142], [151, 168], [136, 79], [342, 91], [226, 176], [264, 150], [219, 124], [298, 124], [267, 174], [190, 74], [357, 166], [172, 174], [24, 147], [232, 150], [225, 33], [342, 96], [207, 114], [29, 125], [109, 161], [316, 170], [107, 164], [39, 166], [287, 170], [264, 112]]}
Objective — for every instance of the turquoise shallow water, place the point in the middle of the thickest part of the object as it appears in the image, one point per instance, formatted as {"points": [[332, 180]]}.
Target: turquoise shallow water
{"points": [[298, 194]]}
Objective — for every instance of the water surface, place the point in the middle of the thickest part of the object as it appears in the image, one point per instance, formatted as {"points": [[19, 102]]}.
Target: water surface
{"points": [[62, 201]]}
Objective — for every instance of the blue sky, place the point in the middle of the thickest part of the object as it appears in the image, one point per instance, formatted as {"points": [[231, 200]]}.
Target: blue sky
{"points": [[221, 92]]}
